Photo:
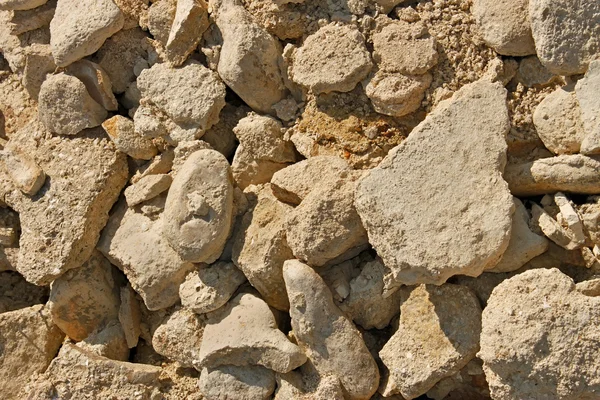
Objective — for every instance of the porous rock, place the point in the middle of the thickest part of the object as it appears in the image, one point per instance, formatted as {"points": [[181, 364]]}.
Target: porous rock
{"points": [[397, 94], [328, 338], [237, 383], [534, 324], [38, 63], [179, 337], [23, 171], [399, 209], [121, 131]]}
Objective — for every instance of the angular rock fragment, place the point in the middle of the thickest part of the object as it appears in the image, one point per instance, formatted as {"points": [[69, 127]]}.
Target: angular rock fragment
{"points": [[29, 341], [147, 188], [574, 173], [505, 26], [66, 107], [334, 58], [30, 20], [306, 384], [160, 19], [396, 94], [586, 91], [556, 22], [569, 217], [523, 245], [85, 173], [329, 339], [437, 336], [262, 150], [84, 299], [23, 171], [555, 355], [552, 229], [160, 164], [557, 121], [191, 20], [236, 383], [108, 342], [199, 207], [20, 4], [121, 131], [129, 316], [96, 82], [80, 27], [326, 226], [245, 333], [179, 337], [531, 72], [408, 197], [249, 57], [260, 247], [134, 243], [38, 63], [207, 289]]}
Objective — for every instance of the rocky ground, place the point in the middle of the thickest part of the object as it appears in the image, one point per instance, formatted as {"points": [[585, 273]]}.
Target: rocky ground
{"points": [[300, 199]]}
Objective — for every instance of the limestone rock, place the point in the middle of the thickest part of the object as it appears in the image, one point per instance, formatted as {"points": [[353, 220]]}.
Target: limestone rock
{"points": [[24, 21], [66, 107], [326, 226], [262, 150], [220, 136], [80, 27], [556, 22], [96, 82], [20, 4], [199, 206], [326, 335], [523, 245], [190, 22], [366, 303], [179, 337], [87, 174], [574, 173], [237, 383], [409, 196], [505, 26], [38, 63], [191, 96], [85, 299], [129, 316], [161, 15], [245, 333], [586, 91], [557, 120], [396, 94], [260, 247], [29, 341], [133, 242], [147, 188], [437, 336], [306, 384], [121, 131], [207, 289], [135, 13], [108, 342], [24, 172], [160, 164], [522, 358], [249, 57], [334, 58]]}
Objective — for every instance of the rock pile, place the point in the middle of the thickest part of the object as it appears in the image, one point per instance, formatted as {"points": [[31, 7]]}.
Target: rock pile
{"points": [[299, 199]]}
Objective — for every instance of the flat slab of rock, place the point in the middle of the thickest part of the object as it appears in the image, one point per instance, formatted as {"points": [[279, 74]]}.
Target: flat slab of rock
{"points": [[329, 339], [199, 207], [237, 383], [540, 335], [422, 205], [29, 341], [438, 335], [245, 333], [573, 173], [80, 27], [556, 22], [147, 188]]}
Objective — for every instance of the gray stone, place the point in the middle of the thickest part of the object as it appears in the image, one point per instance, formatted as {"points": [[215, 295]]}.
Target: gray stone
{"points": [[96, 82]]}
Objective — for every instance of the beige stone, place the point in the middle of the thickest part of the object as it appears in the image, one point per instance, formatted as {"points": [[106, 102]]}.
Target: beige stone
{"points": [[121, 131], [147, 188], [179, 337], [130, 316], [237, 383], [21, 4], [23, 170], [305, 383], [396, 94], [96, 82], [38, 63], [586, 91], [190, 22], [109, 342]]}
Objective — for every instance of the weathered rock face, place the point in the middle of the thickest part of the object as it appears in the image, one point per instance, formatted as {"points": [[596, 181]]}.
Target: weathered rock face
{"points": [[437, 336], [397, 94], [554, 23], [190, 22], [328, 338], [534, 325], [237, 383], [25, 335], [79, 28], [179, 337], [147, 188], [586, 91], [199, 207], [20, 4], [335, 58], [96, 82], [109, 342], [413, 192]]}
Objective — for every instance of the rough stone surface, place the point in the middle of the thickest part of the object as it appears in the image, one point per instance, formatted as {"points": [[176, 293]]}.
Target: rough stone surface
{"points": [[307, 384], [80, 27], [400, 209], [109, 342], [335, 58], [38, 63], [556, 22], [96, 81], [147, 188], [207, 289], [121, 131], [23, 171], [558, 123], [245, 333], [534, 325], [328, 338], [199, 207], [179, 337], [437, 336], [505, 26], [326, 226], [395, 94], [237, 383], [260, 247], [190, 22], [66, 107], [25, 335], [85, 299], [586, 91]]}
